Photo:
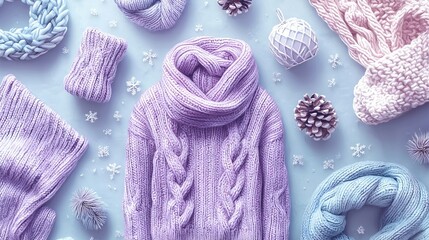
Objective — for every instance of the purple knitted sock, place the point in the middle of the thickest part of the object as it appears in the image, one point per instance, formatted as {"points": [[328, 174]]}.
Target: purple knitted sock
{"points": [[38, 151], [93, 70]]}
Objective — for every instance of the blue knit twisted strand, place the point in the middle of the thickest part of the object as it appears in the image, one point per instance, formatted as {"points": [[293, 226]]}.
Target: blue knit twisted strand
{"points": [[47, 27], [154, 15], [404, 199]]}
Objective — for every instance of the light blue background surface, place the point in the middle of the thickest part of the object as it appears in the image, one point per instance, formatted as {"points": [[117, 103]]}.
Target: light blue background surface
{"points": [[44, 77]]}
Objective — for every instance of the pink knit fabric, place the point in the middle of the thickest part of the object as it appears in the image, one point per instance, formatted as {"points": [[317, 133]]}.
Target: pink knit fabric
{"points": [[205, 155], [390, 38]]}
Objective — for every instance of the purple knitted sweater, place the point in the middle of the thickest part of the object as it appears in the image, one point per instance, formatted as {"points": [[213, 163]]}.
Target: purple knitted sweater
{"points": [[205, 154], [38, 151]]}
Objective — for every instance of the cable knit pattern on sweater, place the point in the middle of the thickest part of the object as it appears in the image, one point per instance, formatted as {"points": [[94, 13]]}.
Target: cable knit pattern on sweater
{"points": [[390, 39], [205, 154]]}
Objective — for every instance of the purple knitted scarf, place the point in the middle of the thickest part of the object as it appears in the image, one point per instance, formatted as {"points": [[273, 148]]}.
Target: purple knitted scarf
{"points": [[204, 61]]}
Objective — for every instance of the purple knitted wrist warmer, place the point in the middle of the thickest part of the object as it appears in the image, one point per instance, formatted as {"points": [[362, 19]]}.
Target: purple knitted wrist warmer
{"points": [[94, 68], [38, 151]]}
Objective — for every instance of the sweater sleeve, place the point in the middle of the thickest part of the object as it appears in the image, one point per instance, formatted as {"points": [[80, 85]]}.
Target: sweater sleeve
{"points": [[137, 194], [275, 199]]}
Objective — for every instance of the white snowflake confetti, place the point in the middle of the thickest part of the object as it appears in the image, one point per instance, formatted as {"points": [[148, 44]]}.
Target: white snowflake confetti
{"points": [[118, 234], [149, 56], [297, 160], [133, 86], [277, 77], [113, 23], [113, 168], [332, 82], [111, 187], [329, 164], [107, 131], [206, 3], [103, 151], [91, 117], [334, 60], [361, 230], [117, 116], [93, 12], [358, 150], [92, 238], [94, 170], [199, 28], [65, 50]]}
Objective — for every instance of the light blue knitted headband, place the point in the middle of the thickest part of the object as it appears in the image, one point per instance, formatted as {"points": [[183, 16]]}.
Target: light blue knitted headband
{"points": [[404, 199], [47, 27]]}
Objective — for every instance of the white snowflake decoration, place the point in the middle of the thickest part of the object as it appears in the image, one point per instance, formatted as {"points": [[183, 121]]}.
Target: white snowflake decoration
{"points": [[93, 12], [107, 131], [65, 50], [361, 230], [113, 169], [329, 164], [118, 234], [297, 160], [149, 56], [91, 117], [103, 151], [338, 155], [334, 60], [332, 82], [199, 28], [66, 238], [277, 77], [113, 23], [117, 116], [206, 3], [358, 150], [133, 86]]}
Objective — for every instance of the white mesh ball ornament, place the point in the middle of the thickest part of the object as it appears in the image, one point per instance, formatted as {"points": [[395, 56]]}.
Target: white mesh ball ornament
{"points": [[292, 41]]}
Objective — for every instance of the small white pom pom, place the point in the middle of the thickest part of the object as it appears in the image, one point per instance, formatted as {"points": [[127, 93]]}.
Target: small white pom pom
{"points": [[88, 207]]}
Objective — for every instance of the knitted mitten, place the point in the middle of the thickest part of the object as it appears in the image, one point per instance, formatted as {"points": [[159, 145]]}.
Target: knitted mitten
{"points": [[38, 151], [390, 39], [394, 84], [93, 70]]}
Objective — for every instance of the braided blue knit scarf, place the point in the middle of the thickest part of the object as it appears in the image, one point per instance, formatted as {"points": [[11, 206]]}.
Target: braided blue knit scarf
{"points": [[404, 199], [47, 27]]}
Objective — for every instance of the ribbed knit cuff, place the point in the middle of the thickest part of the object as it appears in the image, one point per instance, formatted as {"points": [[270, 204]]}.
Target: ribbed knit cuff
{"points": [[38, 151], [94, 68]]}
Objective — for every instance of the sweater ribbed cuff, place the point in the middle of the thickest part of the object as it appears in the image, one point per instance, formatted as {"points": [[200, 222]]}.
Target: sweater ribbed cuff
{"points": [[94, 68], [38, 151]]}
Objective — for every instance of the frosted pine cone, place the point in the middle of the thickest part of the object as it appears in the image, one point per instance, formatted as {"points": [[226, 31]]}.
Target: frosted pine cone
{"points": [[316, 116], [235, 7]]}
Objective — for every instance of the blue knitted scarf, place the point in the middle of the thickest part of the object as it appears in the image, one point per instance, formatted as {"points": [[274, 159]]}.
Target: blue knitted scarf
{"points": [[404, 200]]}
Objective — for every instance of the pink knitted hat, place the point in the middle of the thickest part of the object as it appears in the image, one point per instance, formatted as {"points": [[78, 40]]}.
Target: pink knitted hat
{"points": [[390, 38]]}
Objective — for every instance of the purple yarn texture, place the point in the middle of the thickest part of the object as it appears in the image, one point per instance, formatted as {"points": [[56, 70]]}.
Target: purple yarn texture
{"points": [[205, 152], [38, 151], [154, 15], [94, 68]]}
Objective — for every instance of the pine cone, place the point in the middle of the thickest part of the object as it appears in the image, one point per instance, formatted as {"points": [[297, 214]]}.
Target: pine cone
{"points": [[316, 116], [235, 7]]}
